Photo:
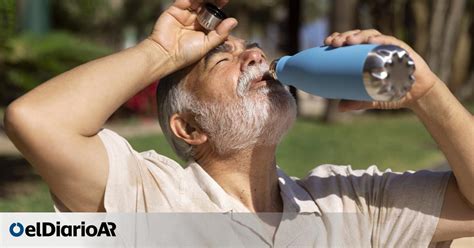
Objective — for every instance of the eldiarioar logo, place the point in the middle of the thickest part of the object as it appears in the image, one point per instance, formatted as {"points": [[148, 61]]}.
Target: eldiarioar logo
{"points": [[49, 229]]}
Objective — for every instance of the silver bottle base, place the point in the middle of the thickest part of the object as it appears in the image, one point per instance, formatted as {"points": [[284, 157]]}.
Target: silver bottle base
{"points": [[388, 73]]}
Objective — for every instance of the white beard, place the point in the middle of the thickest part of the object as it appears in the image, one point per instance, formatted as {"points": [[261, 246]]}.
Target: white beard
{"points": [[260, 117]]}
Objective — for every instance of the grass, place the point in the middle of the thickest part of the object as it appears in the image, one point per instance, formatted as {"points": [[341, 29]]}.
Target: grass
{"points": [[396, 143], [399, 142], [37, 200], [470, 106]]}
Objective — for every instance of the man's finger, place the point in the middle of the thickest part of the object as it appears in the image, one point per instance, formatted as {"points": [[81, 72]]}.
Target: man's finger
{"points": [[362, 36], [196, 5], [341, 39], [220, 34], [329, 39], [186, 4], [389, 40], [221, 3]]}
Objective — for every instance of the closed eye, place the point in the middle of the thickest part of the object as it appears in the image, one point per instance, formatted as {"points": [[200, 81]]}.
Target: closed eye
{"points": [[222, 60]]}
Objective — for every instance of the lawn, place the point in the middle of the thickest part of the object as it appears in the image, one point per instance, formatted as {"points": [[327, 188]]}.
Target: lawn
{"points": [[36, 199], [396, 141]]}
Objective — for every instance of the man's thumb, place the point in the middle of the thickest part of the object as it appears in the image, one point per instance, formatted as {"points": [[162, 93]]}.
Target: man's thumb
{"points": [[222, 31]]}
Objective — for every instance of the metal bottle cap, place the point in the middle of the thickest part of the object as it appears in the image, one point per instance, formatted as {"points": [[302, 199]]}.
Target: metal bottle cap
{"points": [[272, 69], [388, 73], [210, 16]]}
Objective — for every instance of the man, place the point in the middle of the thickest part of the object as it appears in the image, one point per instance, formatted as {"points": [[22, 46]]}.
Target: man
{"points": [[220, 112]]}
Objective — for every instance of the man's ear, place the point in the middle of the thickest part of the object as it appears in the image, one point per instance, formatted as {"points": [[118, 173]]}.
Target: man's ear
{"points": [[185, 128]]}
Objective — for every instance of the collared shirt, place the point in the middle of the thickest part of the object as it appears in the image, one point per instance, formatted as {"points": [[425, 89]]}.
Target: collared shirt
{"points": [[333, 206]]}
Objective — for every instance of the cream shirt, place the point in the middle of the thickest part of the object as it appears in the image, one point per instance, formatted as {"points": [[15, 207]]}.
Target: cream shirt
{"points": [[333, 206]]}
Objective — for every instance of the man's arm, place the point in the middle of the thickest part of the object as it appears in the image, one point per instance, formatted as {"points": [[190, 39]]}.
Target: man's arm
{"points": [[452, 127], [448, 122], [55, 125]]}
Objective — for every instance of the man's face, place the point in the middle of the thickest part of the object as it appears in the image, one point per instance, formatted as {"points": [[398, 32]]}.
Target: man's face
{"points": [[237, 104], [215, 78]]}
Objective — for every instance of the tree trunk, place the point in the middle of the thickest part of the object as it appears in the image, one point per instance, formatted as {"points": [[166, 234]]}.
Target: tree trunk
{"points": [[436, 33], [451, 36], [343, 18], [343, 15], [294, 26], [382, 12], [420, 12], [398, 18], [462, 60]]}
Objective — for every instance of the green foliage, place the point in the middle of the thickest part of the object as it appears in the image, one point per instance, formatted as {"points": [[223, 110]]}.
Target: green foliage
{"points": [[156, 142], [39, 200], [469, 106], [81, 15], [31, 59], [7, 21], [106, 19]]}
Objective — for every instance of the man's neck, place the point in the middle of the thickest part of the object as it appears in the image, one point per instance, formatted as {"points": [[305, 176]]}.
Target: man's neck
{"points": [[249, 176]]}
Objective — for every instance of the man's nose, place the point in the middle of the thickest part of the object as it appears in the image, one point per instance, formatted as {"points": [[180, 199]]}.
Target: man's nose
{"points": [[251, 58]]}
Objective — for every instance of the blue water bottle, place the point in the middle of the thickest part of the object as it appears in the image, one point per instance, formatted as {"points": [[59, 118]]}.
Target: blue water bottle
{"points": [[364, 72]]}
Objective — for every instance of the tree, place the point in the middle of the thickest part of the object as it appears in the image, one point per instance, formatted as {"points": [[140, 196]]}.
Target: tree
{"points": [[294, 26], [441, 31], [7, 28], [446, 43], [343, 18]]}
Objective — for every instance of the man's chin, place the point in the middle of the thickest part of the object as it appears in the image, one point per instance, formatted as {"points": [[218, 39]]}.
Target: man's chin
{"points": [[282, 115], [269, 88]]}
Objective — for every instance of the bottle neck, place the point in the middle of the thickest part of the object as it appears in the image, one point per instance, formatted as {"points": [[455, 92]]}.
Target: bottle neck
{"points": [[272, 70]]}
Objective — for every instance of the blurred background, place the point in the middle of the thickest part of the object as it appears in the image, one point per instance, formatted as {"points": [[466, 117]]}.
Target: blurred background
{"points": [[42, 38]]}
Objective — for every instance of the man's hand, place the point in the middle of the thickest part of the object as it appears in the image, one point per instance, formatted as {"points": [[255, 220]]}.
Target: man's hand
{"points": [[425, 79], [180, 36]]}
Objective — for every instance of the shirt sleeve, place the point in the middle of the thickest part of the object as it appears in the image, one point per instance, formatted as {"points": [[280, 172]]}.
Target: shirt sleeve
{"points": [[124, 178], [407, 205], [402, 209]]}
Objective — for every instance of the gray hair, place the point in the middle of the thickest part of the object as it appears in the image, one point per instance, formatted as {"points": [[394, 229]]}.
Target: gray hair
{"points": [[173, 98]]}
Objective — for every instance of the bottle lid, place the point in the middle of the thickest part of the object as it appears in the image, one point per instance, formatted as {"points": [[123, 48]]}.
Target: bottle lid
{"points": [[272, 69], [388, 73], [210, 16]]}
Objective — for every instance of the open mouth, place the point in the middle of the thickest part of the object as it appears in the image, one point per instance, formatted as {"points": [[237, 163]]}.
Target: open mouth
{"points": [[261, 80]]}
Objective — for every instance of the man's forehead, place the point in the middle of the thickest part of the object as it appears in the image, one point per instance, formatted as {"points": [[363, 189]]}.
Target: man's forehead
{"points": [[230, 45], [238, 43], [199, 69], [226, 46]]}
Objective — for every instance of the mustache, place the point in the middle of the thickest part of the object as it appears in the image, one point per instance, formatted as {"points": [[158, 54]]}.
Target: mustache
{"points": [[251, 73]]}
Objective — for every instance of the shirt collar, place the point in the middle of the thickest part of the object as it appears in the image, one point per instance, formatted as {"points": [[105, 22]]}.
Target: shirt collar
{"points": [[295, 197], [214, 191]]}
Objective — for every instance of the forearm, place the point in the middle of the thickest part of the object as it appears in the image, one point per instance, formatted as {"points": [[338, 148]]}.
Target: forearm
{"points": [[82, 99], [452, 127]]}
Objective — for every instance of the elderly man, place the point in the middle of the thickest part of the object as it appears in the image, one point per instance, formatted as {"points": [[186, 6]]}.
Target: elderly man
{"points": [[222, 114]]}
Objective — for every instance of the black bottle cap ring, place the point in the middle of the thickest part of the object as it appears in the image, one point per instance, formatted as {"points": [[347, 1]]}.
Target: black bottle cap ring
{"points": [[210, 16]]}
